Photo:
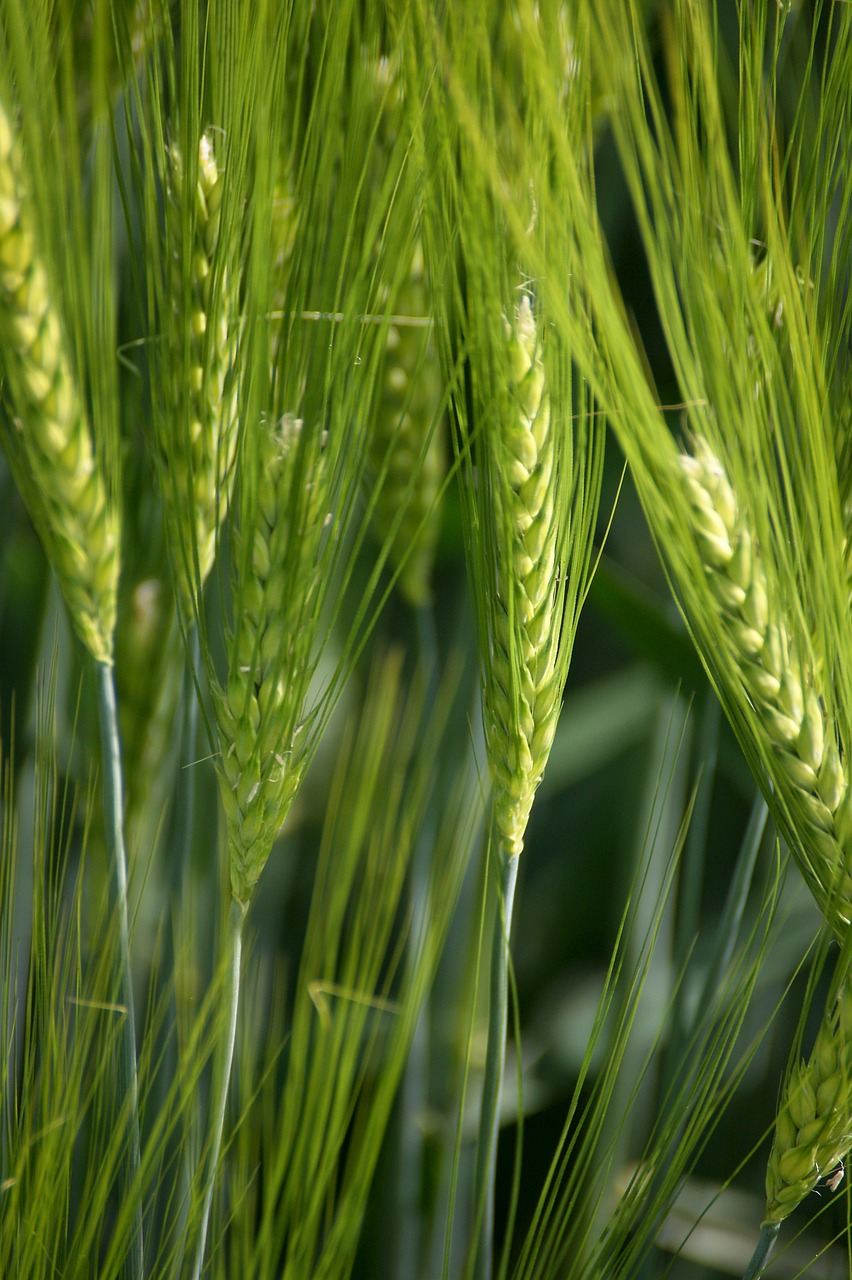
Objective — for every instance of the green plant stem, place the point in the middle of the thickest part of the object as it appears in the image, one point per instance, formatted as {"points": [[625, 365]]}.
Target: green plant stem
{"points": [[489, 1116], [177, 885], [768, 1236], [415, 1087], [185, 815], [128, 1085], [236, 917]]}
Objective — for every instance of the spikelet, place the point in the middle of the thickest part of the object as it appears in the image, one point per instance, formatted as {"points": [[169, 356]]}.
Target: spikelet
{"points": [[407, 437], [47, 439], [782, 684], [198, 443], [813, 1129], [260, 714], [522, 695]]}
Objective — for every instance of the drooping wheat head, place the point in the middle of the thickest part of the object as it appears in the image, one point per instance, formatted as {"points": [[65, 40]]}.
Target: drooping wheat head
{"points": [[783, 684], [261, 716], [813, 1129], [198, 439], [45, 429]]}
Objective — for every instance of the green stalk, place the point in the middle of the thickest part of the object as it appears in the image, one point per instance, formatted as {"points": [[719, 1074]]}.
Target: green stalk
{"points": [[760, 1256], [235, 934], [185, 816], [177, 884], [128, 1085], [489, 1115], [412, 1236]]}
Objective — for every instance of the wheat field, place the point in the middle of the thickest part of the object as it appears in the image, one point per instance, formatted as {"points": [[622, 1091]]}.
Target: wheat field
{"points": [[425, 596]]}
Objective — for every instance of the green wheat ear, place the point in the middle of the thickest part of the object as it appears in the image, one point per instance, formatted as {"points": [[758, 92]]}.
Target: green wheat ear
{"points": [[523, 685], [783, 685], [407, 444], [198, 445], [260, 713], [409, 441], [813, 1129], [45, 430]]}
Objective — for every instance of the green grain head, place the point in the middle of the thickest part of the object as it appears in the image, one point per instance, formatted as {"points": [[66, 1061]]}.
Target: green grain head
{"points": [[45, 429], [408, 446], [260, 713], [813, 1130], [198, 441], [783, 684], [528, 448], [524, 684], [408, 439]]}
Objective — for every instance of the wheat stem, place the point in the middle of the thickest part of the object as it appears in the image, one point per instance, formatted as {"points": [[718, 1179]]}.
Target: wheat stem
{"points": [[760, 1257], [128, 1086], [415, 1085], [495, 1054], [185, 816], [236, 917], [177, 878]]}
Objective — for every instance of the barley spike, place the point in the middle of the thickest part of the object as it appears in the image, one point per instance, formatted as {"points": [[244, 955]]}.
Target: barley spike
{"points": [[260, 714], [45, 429], [198, 446], [407, 436], [782, 684], [813, 1129], [522, 691]]}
